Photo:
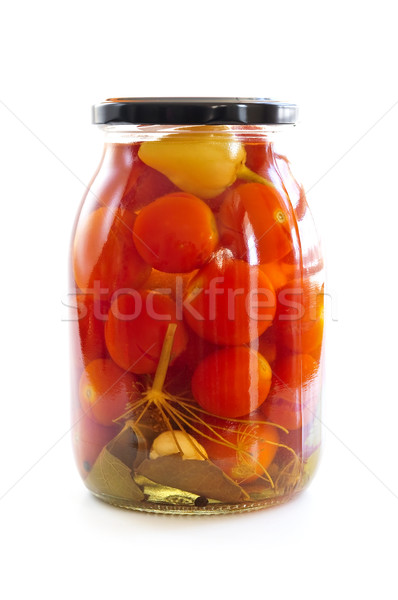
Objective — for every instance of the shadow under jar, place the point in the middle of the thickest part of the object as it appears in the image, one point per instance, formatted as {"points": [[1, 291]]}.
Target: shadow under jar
{"points": [[197, 325]]}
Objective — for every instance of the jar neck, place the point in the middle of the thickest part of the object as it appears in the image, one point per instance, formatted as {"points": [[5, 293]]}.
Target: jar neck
{"points": [[130, 134]]}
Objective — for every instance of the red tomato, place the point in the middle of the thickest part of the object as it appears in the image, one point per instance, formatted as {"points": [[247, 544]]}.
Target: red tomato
{"points": [[299, 315], [136, 329], [215, 203], [288, 414], [179, 374], [295, 370], [125, 181], [197, 348], [292, 415], [176, 233], [280, 272], [266, 345], [91, 314], [89, 438], [259, 156], [169, 284], [232, 382], [254, 223], [293, 392], [105, 391], [243, 451], [112, 181], [104, 252], [229, 302], [145, 185], [293, 189], [304, 336], [262, 159], [298, 299]]}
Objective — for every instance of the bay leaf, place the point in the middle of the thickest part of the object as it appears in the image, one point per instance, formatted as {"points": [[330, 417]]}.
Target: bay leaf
{"points": [[199, 477], [111, 476], [130, 445]]}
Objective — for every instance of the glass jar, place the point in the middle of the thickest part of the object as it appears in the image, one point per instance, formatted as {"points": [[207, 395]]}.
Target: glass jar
{"points": [[198, 322]]}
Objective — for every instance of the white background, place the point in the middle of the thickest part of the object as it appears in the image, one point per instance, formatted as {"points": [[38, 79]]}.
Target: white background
{"points": [[338, 60]]}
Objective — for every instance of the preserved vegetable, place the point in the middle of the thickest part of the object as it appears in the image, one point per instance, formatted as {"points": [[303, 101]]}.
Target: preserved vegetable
{"points": [[198, 325]]}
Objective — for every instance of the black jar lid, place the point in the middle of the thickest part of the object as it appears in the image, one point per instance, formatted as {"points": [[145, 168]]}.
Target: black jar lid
{"points": [[194, 111]]}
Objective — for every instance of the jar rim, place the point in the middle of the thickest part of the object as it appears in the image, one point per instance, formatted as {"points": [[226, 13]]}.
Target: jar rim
{"points": [[195, 111]]}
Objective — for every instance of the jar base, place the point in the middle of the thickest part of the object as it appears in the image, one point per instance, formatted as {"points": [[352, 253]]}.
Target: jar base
{"points": [[215, 508], [162, 499]]}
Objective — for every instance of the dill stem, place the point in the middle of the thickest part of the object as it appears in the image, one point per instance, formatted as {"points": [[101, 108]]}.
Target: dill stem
{"points": [[164, 359]]}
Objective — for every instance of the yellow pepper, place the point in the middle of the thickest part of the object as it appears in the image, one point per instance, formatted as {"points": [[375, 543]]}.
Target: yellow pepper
{"points": [[203, 161]]}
